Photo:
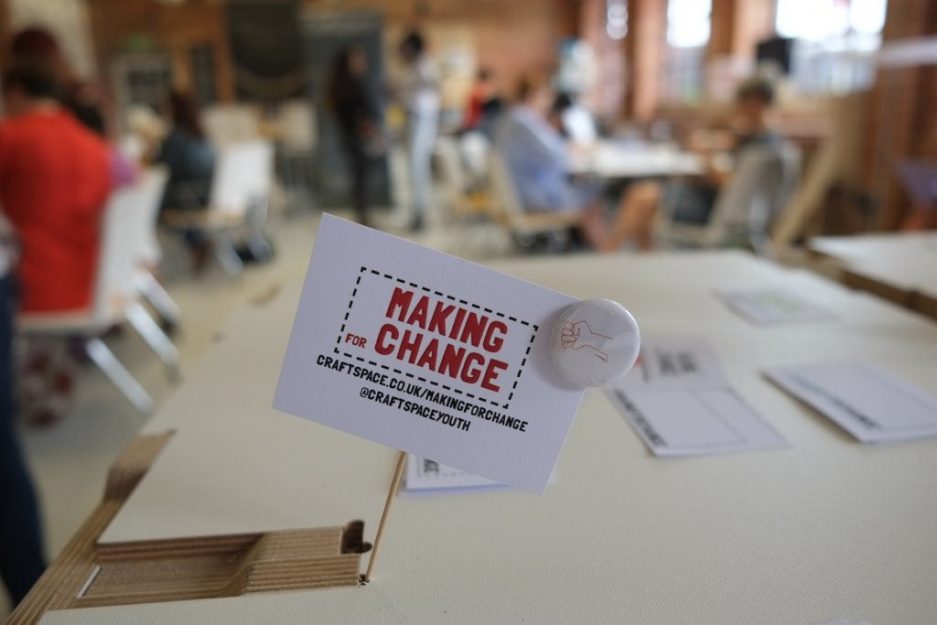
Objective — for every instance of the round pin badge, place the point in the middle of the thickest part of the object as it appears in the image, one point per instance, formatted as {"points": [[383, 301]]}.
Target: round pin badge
{"points": [[595, 342]]}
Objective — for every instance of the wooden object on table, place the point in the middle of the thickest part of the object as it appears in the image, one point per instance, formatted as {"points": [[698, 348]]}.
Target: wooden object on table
{"points": [[834, 163], [897, 267], [391, 495], [87, 574]]}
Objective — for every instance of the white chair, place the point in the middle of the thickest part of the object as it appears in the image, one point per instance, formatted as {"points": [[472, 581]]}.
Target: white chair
{"points": [[238, 202], [231, 124], [525, 226], [759, 188], [115, 299], [151, 185], [296, 142], [475, 149], [469, 212], [452, 175]]}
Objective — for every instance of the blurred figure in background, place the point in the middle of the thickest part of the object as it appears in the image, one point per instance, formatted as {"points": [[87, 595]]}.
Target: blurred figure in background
{"points": [[751, 137], [190, 159], [538, 162], [21, 552], [37, 46], [420, 94], [484, 104], [359, 121], [574, 120], [56, 176]]}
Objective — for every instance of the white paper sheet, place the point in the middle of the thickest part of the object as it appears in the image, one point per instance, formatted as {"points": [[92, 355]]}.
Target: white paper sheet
{"points": [[428, 475], [368, 296], [678, 362], [694, 421], [771, 306], [679, 402], [871, 404]]}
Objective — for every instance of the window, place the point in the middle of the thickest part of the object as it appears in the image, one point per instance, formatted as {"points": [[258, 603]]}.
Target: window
{"points": [[616, 19], [688, 27], [819, 20], [835, 42], [688, 23]]}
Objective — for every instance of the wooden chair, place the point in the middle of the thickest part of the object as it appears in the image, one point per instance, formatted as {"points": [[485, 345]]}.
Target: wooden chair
{"points": [[461, 203], [523, 226], [745, 208]]}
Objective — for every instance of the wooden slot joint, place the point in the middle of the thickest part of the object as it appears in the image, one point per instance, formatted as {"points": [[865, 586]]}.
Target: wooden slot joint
{"points": [[88, 573]]}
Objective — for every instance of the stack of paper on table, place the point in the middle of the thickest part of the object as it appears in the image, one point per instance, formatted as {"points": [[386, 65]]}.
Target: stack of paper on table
{"points": [[771, 306], [424, 474], [679, 402], [871, 404]]}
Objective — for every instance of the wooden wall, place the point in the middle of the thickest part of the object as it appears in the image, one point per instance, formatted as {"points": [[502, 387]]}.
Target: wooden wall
{"points": [[902, 123], [121, 25], [511, 37]]}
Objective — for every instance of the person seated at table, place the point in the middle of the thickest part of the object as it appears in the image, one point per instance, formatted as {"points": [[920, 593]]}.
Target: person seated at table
{"points": [[576, 121], [751, 137], [538, 162], [190, 159], [56, 177]]}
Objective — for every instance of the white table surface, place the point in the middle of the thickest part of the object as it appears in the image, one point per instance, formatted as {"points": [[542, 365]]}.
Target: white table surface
{"points": [[906, 261], [828, 528], [611, 160]]}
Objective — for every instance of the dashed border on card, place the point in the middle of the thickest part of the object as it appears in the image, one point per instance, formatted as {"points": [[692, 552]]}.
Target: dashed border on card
{"points": [[520, 370]]}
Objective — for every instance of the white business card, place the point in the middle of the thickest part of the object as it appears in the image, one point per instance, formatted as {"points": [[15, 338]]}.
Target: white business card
{"points": [[679, 402], [694, 421], [679, 362], [872, 405], [424, 474], [429, 354]]}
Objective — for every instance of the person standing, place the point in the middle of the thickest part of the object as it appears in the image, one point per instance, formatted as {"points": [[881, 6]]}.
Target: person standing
{"points": [[55, 176], [358, 116], [421, 100]]}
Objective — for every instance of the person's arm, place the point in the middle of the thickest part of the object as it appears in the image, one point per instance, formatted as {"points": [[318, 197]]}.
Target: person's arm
{"points": [[546, 144]]}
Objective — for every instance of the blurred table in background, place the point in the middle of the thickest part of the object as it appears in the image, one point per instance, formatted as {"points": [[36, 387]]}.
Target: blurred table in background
{"points": [[828, 528], [901, 267], [611, 160]]}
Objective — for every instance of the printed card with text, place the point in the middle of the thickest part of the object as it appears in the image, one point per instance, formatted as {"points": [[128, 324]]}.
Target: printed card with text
{"points": [[424, 474], [873, 405], [429, 354], [680, 403]]}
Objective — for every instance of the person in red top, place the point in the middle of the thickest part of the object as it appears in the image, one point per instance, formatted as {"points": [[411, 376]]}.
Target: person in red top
{"points": [[55, 177]]}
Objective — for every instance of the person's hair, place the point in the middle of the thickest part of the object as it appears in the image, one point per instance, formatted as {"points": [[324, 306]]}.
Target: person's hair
{"points": [[562, 101], [341, 81], [34, 43], [34, 79], [755, 87], [413, 42], [185, 114], [529, 84]]}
